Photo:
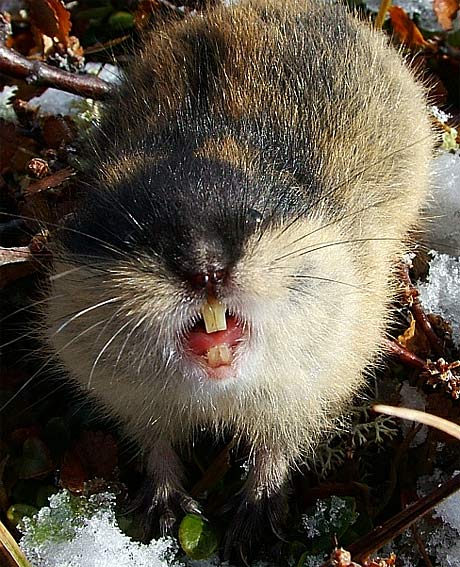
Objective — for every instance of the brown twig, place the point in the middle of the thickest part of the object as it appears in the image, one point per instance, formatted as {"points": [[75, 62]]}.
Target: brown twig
{"points": [[215, 472], [380, 18], [421, 546], [420, 315], [386, 532], [17, 66], [395, 462], [38, 73], [405, 355]]}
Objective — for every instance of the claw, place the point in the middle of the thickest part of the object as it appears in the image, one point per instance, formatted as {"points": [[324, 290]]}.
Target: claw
{"points": [[167, 522], [253, 523], [160, 509], [189, 505]]}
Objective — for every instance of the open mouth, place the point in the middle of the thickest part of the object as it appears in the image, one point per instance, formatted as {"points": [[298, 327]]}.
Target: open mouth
{"points": [[215, 337]]}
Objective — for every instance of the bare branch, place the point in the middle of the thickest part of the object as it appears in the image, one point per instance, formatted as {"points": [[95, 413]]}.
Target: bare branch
{"points": [[387, 531], [17, 66]]}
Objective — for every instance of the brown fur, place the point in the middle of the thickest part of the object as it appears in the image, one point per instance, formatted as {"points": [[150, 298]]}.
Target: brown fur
{"points": [[366, 138]]}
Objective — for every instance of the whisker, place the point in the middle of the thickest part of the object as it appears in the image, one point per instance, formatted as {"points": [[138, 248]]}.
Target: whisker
{"points": [[136, 326], [47, 362], [109, 320], [75, 269], [330, 280], [41, 399], [30, 306], [143, 356], [87, 310], [306, 250], [17, 339], [353, 177], [331, 223], [106, 245], [106, 346]]}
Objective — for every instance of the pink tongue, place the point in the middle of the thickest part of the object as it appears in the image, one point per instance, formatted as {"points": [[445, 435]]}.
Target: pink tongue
{"points": [[199, 341]]}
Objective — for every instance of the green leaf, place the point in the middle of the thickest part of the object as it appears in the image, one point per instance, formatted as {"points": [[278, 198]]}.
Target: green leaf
{"points": [[57, 435], [17, 512], [35, 460], [308, 560], [453, 38], [196, 537], [449, 140], [121, 20], [331, 518]]}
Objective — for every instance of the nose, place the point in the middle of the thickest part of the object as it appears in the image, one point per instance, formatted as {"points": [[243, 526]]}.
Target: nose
{"points": [[208, 280]]}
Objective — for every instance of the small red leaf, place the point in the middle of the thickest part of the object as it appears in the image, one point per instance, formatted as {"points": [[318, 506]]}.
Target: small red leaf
{"points": [[51, 18], [15, 263], [407, 32], [446, 12], [99, 453], [73, 473], [49, 182]]}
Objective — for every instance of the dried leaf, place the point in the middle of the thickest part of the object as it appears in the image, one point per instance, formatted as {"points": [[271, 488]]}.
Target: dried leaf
{"points": [[446, 374], [49, 182], [415, 340], [51, 18], [38, 168], [95, 454], [446, 12], [98, 451], [144, 11], [388, 562], [406, 338], [73, 473], [341, 558], [58, 131], [16, 150], [10, 554], [407, 32]]}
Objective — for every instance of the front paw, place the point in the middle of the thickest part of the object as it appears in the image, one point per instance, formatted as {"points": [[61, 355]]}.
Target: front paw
{"points": [[257, 523], [160, 507]]}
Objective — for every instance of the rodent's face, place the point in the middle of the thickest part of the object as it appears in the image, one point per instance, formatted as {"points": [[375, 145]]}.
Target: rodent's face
{"points": [[204, 286]]}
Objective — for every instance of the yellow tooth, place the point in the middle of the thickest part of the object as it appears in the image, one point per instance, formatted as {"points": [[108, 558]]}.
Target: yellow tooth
{"points": [[219, 355], [213, 312]]}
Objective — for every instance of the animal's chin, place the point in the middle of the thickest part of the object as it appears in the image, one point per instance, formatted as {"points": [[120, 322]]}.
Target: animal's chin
{"points": [[215, 353]]}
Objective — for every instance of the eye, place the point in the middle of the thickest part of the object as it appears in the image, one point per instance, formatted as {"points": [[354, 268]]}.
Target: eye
{"points": [[254, 217]]}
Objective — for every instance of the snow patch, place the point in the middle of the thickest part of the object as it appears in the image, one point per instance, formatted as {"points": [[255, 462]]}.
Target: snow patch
{"points": [[443, 542], [441, 293], [443, 212], [83, 532]]}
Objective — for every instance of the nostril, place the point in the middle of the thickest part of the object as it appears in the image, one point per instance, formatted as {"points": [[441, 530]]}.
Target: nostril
{"points": [[217, 277], [199, 281], [209, 279]]}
